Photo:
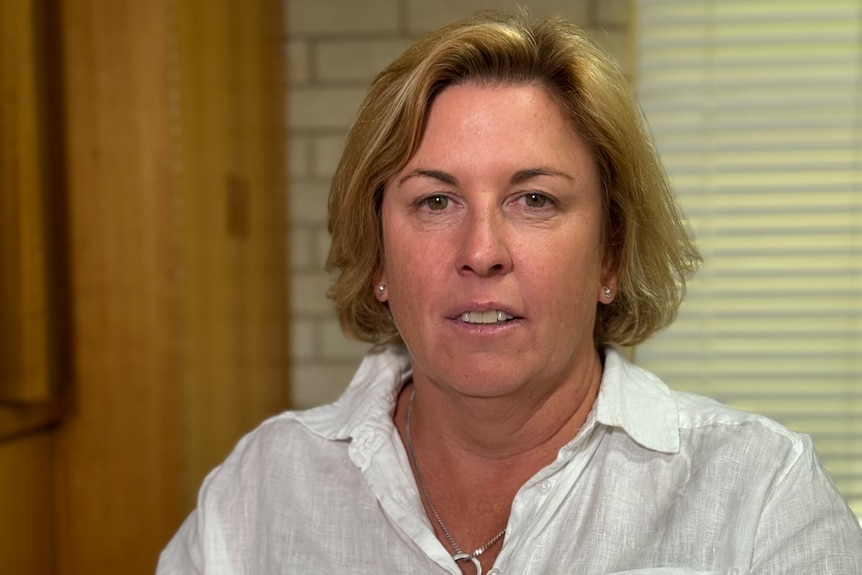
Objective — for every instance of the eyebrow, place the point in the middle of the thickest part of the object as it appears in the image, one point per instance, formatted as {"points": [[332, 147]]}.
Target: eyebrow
{"points": [[518, 177], [524, 175], [439, 175]]}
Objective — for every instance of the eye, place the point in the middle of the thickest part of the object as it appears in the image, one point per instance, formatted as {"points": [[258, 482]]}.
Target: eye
{"points": [[535, 200], [436, 203]]}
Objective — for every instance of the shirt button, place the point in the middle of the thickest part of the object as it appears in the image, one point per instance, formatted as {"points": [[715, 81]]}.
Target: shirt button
{"points": [[544, 486], [494, 571]]}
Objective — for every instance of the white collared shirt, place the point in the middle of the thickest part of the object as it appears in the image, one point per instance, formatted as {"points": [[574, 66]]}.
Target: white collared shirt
{"points": [[657, 482]]}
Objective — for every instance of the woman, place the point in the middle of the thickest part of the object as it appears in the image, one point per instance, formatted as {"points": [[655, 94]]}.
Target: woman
{"points": [[499, 221]]}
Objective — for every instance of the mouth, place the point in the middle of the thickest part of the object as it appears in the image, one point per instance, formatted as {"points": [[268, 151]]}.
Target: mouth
{"points": [[490, 316]]}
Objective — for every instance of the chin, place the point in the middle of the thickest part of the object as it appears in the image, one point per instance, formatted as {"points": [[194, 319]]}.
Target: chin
{"points": [[493, 381]]}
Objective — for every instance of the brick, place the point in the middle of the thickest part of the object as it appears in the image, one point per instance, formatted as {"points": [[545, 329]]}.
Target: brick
{"points": [[299, 157], [301, 240], [310, 17], [315, 384], [303, 338], [327, 152], [308, 295], [336, 346], [323, 108], [298, 71], [322, 241], [424, 16], [309, 202], [355, 60]]}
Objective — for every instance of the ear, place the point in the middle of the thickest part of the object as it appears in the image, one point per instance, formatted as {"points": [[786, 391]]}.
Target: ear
{"points": [[608, 287], [380, 291]]}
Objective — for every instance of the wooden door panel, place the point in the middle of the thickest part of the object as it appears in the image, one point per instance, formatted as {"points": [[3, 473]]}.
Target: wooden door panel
{"points": [[30, 327], [27, 539]]}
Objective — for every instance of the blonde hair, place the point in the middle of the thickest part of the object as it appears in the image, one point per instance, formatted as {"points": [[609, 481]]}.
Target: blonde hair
{"points": [[652, 249]]}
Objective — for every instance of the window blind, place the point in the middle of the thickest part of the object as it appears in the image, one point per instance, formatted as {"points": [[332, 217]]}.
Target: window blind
{"points": [[756, 109]]}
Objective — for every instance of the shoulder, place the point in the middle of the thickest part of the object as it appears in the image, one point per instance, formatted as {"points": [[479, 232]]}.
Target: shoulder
{"points": [[259, 483], [670, 421], [771, 472], [753, 465], [756, 446], [282, 454], [294, 449]]}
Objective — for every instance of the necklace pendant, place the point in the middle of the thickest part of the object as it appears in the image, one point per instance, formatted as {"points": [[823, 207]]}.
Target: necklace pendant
{"points": [[473, 558]]}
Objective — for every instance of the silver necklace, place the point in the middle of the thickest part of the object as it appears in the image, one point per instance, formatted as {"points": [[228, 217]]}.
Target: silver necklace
{"points": [[458, 555]]}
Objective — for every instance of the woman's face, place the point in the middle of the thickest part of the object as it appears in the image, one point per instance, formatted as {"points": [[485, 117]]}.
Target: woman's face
{"points": [[492, 238]]}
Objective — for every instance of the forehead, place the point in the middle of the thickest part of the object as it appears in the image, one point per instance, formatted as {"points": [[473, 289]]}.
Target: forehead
{"points": [[472, 98], [480, 122]]}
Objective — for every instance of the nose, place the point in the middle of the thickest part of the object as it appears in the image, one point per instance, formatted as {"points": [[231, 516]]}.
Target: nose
{"points": [[485, 247]]}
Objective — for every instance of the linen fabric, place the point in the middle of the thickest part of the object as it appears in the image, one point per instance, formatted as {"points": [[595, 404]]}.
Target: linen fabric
{"points": [[656, 482]]}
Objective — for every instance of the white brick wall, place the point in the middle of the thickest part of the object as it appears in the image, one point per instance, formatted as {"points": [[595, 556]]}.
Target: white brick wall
{"points": [[427, 15], [332, 18], [334, 48]]}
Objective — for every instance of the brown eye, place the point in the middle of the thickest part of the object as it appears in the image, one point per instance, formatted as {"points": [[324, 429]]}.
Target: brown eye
{"points": [[535, 200], [436, 202]]}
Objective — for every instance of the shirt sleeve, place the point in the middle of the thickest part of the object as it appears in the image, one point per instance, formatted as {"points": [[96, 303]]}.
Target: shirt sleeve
{"points": [[806, 526], [219, 536], [183, 553]]}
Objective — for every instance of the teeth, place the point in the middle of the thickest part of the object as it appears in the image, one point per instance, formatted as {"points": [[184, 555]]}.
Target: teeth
{"points": [[490, 316]]}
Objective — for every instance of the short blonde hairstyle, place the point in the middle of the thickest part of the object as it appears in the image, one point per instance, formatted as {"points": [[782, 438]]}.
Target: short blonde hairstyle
{"points": [[652, 249]]}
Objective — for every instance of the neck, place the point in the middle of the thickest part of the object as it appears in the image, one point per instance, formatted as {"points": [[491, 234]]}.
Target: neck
{"points": [[534, 422], [475, 453]]}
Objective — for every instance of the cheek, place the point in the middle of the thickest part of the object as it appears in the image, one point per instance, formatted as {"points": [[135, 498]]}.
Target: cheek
{"points": [[410, 266], [565, 268]]}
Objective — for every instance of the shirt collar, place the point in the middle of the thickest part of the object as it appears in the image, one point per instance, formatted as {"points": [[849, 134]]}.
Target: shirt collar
{"points": [[368, 403], [630, 398], [636, 401]]}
